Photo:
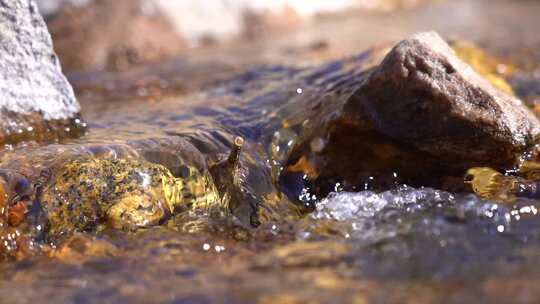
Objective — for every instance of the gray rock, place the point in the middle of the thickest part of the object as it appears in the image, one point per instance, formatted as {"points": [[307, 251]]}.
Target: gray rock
{"points": [[35, 97]]}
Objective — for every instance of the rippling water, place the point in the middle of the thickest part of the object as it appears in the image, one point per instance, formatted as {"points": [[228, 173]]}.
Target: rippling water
{"points": [[405, 244], [431, 233]]}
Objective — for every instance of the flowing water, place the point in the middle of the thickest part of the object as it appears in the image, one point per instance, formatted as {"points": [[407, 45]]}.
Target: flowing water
{"points": [[401, 244]]}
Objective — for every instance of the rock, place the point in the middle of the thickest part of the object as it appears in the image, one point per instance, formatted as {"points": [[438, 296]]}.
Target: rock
{"points": [[112, 35], [35, 97], [422, 114], [257, 24], [423, 95], [493, 69], [387, 5], [416, 115]]}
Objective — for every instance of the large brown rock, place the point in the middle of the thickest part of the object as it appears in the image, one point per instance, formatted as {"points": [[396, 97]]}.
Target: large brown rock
{"points": [[422, 116], [35, 98], [422, 94]]}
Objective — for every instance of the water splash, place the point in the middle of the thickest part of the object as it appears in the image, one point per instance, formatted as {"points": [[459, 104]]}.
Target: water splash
{"points": [[371, 216], [425, 233]]}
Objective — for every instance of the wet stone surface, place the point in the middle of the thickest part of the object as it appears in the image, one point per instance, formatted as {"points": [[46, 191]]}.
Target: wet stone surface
{"points": [[344, 107], [378, 242]]}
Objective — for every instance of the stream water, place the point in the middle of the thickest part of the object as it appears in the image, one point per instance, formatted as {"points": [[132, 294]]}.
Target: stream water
{"points": [[401, 245]]}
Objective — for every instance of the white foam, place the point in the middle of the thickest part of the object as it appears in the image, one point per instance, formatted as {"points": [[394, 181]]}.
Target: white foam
{"points": [[365, 204]]}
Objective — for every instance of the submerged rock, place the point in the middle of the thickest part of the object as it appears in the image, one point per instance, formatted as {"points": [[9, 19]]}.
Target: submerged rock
{"points": [[36, 100], [126, 194]]}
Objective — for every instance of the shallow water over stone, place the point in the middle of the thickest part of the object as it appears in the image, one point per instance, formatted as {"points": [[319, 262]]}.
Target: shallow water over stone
{"points": [[404, 244], [430, 234]]}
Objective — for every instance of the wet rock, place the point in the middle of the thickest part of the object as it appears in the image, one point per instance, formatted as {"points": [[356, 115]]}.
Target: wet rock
{"points": [[422, 114], [419, 116], [493, 69], [35, 97], [422, 94], [80, 248], [112, 35]]}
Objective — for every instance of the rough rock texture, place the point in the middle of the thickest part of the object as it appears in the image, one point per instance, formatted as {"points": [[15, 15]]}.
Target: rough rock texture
{"points": [[35, 97], [422, 113], [112, 35], [423, 95]]}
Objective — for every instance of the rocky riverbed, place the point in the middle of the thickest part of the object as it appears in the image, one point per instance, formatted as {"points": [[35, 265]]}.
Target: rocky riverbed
{"points": [[320, 169]]}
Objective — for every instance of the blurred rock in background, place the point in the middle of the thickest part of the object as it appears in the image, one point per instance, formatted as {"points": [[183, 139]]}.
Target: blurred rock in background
{"points": [[118, 34], [110, 35]]}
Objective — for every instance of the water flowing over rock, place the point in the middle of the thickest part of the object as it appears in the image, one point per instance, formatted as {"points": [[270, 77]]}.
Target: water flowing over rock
{"points": [[423, 113], [212, 225], [321, 126], [35, 97]]}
